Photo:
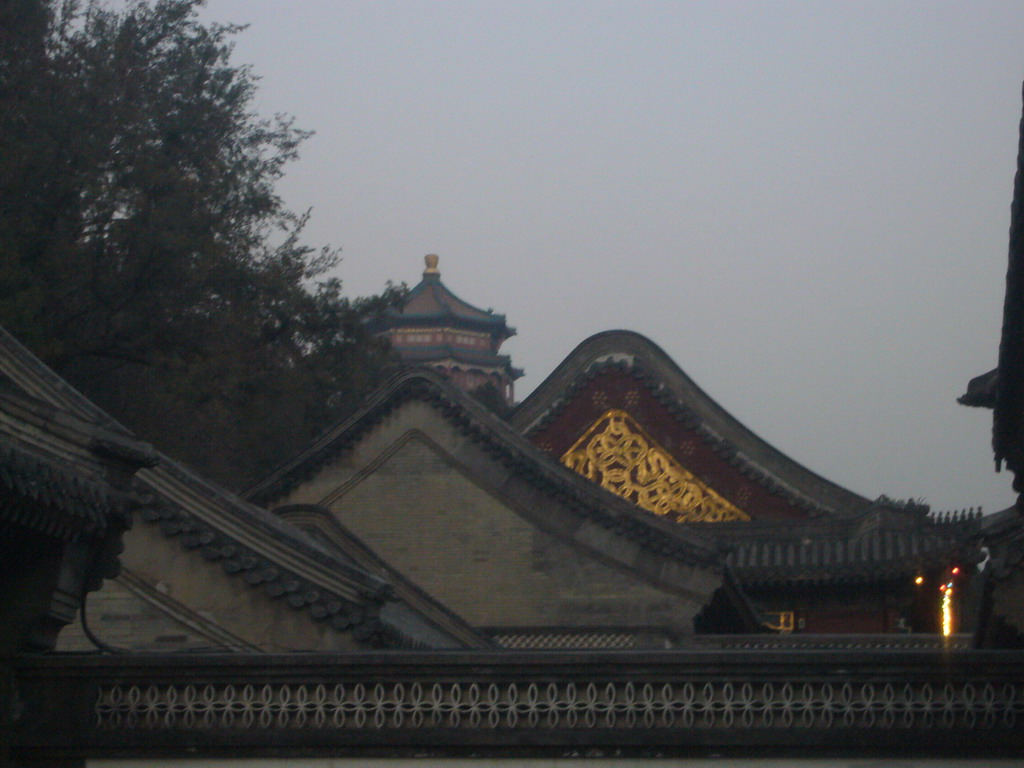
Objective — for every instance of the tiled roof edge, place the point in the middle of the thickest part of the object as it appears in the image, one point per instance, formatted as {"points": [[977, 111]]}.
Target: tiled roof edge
{"points": [[339, 613], [85, 507]]}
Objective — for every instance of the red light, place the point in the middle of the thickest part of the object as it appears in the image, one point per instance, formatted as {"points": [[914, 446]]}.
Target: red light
{"points": [[942, 588], [956, 570]]}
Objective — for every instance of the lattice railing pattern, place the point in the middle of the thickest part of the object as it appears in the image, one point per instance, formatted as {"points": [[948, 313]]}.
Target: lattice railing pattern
{"points": [[566, 640], [560, 705]]}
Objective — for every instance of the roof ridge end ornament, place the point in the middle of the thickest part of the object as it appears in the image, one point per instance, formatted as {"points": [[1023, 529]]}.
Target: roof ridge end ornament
{"points": [[431, 260]]}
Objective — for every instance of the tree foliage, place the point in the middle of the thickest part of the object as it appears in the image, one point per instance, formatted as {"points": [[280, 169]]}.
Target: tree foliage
{"points": [[144, 252]]}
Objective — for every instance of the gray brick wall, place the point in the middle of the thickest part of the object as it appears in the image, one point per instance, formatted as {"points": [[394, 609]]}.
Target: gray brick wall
{"points": [[416, 501]]}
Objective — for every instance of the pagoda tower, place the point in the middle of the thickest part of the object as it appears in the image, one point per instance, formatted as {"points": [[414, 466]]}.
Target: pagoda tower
{"points": [[435, 328]]}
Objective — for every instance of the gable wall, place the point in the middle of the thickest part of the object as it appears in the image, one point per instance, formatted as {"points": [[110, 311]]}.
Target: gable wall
{"points": [[429, 502]]}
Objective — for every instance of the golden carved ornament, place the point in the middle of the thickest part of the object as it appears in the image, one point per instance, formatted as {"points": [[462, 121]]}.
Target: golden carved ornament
{"points": [[786, 621], [618, 454]]}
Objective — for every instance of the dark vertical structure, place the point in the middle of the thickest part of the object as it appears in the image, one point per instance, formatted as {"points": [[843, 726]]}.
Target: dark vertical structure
{"points": [[1002, 389], [66, 472], [1008, 418]]}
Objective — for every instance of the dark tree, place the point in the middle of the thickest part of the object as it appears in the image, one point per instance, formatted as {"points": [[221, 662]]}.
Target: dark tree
{"points": [[144, 252]]}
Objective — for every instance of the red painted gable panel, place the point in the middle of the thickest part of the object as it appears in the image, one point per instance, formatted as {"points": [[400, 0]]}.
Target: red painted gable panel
{"points": [[613, 388]]}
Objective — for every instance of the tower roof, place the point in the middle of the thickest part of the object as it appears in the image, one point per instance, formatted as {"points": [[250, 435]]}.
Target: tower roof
{"points": [[430, 304]]}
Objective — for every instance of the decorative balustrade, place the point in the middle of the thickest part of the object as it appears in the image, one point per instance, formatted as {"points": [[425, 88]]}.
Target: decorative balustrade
{"points": [[794, 702], [572, 706]]}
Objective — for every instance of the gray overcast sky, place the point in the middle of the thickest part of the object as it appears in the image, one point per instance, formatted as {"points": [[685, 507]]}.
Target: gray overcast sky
{"points": [[805, 204]]}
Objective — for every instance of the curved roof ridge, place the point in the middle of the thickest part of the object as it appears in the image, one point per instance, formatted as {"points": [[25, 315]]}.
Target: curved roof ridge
{"points": [[38, 380], [733, 440]]}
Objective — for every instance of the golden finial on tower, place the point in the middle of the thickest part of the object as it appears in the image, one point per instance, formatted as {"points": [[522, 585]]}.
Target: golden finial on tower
{"points": [[431, 261]]}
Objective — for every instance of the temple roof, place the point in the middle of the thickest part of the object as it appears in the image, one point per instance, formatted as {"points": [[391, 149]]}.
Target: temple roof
{"points": [[431, 304], [775, 521], [724, 453], [877, 546], [45, 493], [59, 453]]}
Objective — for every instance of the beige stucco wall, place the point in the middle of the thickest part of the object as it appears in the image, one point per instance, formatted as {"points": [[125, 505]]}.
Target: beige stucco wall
{"points": [[120, 617], [192, 603]]}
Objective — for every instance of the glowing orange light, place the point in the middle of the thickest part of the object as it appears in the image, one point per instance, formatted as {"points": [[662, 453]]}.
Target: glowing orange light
{"points": [[947, 612], [919, 580], [942, 588], [956, 570]]}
